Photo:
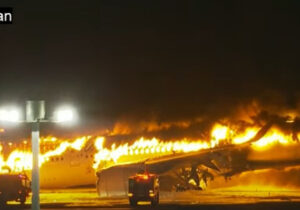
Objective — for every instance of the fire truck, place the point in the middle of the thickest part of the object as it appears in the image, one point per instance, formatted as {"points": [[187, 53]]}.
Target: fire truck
{"points": [[14, 187], [143, 187]]}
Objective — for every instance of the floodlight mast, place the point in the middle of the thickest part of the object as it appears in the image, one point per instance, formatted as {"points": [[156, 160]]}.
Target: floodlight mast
{"points": [[35, 112]]}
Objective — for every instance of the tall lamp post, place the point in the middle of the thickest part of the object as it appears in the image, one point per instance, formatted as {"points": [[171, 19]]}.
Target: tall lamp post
{"points": [[35, 114]]}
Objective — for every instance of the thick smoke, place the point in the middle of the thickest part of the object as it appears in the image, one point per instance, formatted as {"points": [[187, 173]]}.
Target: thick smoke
{"points": [[269, 107]]}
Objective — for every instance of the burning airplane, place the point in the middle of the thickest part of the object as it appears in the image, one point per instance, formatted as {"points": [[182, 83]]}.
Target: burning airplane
{"points": [[186, 163], [227, 154]]}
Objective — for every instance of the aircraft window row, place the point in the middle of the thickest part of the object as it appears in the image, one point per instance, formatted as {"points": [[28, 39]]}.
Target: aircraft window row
{"points": [[56, 159], [86, 156], [61, 158]]}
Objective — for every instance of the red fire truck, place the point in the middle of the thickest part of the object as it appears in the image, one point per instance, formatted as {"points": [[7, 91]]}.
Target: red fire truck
{"points": [[143, 187], [14, 187]]}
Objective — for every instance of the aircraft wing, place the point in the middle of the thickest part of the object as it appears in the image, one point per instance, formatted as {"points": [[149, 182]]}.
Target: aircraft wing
{"points": [[164, 164], [204, 157]]}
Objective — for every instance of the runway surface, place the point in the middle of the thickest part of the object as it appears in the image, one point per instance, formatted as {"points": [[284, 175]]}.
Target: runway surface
{"points": [[256, 206], [216, 199]]}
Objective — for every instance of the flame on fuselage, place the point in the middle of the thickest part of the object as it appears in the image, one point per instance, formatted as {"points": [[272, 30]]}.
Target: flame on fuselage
{"points": [[148, 148], [145, 148], [274, 136], [19, 160]]}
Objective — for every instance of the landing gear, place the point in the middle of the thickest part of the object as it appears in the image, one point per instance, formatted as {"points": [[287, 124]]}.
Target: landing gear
{"points": [[194, 178]]}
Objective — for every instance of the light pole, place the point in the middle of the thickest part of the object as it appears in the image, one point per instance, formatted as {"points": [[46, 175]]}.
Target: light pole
{"points": [[35, 114], [35, 176]]}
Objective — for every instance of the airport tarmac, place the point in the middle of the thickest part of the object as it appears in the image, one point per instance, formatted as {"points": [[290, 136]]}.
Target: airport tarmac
{"points": [[213, 199], [256, 206]]}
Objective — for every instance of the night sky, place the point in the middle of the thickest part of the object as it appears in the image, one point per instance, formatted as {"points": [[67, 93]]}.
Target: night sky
{"points": [[139, 60]]}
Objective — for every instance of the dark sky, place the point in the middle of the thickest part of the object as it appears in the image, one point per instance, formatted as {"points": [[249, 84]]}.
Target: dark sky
{"points": [[172, 59]]}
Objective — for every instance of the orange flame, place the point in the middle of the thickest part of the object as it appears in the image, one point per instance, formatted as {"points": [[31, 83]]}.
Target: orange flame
{"points": [[143, 148], [19, 160], [274, 136]]}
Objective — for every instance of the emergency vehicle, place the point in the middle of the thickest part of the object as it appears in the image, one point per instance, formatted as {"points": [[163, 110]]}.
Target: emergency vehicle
{"points": [[143, 187], [14, 187]]}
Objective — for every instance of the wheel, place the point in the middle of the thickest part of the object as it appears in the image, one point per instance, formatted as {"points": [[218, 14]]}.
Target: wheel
{"points": [[22, 200], [155, 200], [132, 202], [2, 202]]}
